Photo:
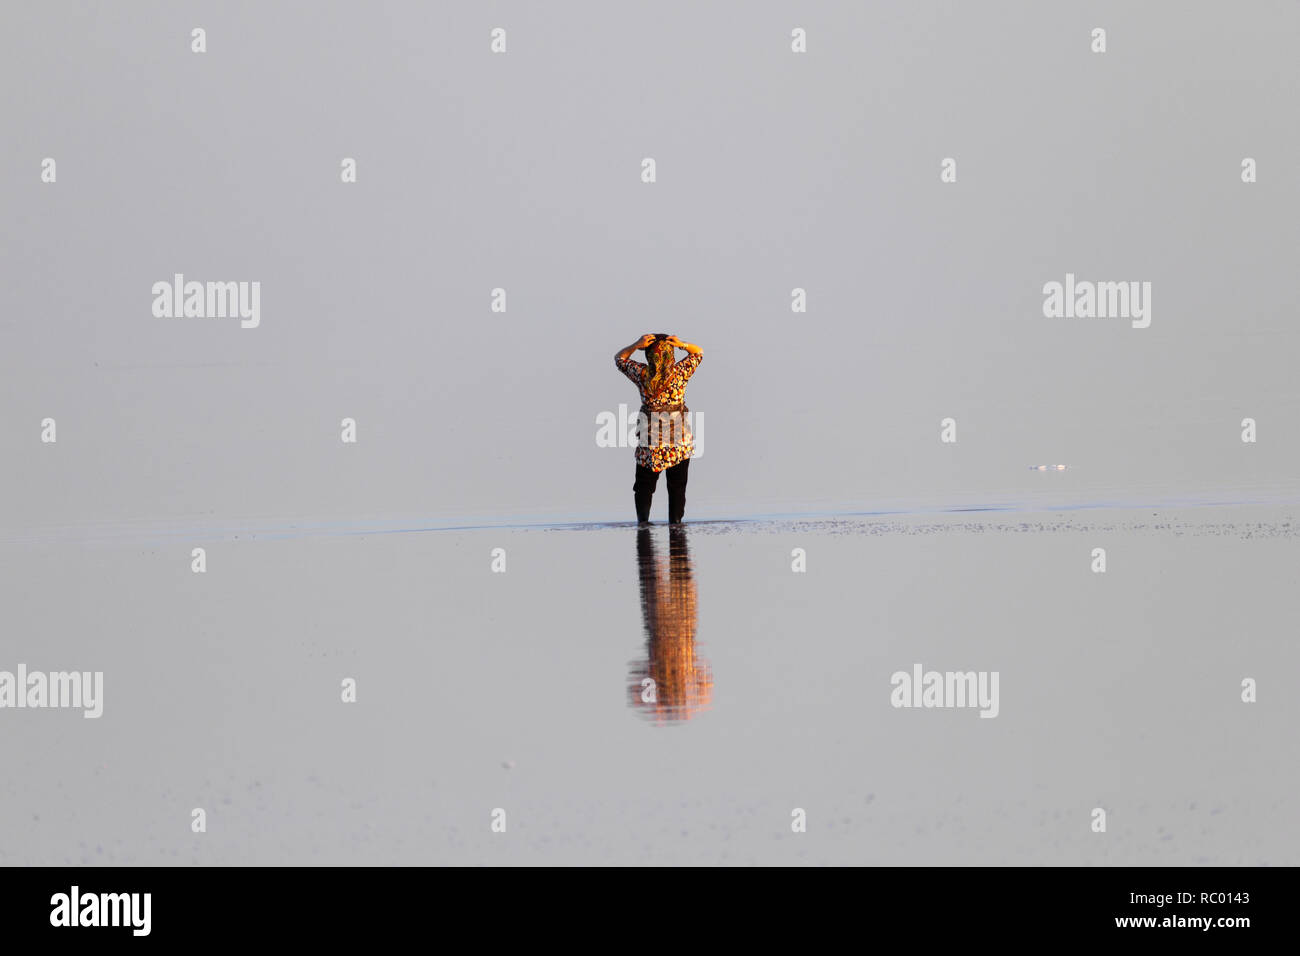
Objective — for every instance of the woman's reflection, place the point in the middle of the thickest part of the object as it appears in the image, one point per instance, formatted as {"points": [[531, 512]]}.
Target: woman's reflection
{"points": [[673, 683]]}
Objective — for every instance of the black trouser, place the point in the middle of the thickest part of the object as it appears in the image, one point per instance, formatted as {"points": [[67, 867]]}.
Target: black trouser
{"points": [[644, 489]]}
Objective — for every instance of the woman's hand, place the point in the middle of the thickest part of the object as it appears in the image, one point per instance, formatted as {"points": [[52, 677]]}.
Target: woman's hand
{"points": [[685, 346], [626, 352]]}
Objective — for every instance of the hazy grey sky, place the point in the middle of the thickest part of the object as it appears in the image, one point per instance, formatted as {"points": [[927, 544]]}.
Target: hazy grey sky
{"points": [[775, 170]]}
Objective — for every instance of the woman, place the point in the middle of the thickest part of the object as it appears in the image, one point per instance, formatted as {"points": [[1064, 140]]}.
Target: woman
{"points": [[664, 439]]}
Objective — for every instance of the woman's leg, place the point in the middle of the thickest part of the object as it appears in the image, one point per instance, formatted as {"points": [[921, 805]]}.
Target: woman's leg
{"points": [[643, 490], [677, 491]]}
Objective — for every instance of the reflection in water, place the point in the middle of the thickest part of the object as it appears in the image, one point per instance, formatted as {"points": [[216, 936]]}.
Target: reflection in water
{"points": [[673, 683]]}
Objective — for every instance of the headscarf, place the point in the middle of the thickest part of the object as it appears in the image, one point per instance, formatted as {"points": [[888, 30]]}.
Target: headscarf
{"points": [[659, 358]]}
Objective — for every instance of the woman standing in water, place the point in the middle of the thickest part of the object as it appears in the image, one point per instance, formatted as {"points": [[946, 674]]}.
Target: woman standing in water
{"points": [[664, 439]]}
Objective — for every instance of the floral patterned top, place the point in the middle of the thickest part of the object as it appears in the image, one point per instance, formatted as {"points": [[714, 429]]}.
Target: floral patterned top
{"points": [[664, 439]]}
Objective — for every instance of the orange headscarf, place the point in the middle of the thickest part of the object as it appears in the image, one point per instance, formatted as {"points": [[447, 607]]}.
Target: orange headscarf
{"points": [[659, 357]]}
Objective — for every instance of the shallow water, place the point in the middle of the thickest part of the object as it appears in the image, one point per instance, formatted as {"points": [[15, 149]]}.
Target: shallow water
{"points": [[524, 691]]}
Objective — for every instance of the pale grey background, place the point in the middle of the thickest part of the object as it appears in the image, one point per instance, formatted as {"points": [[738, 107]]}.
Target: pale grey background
{"points": [[775, 170]]}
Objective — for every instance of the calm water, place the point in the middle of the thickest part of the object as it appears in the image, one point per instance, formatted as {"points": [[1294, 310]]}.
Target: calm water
{"points": [[527, 691]]}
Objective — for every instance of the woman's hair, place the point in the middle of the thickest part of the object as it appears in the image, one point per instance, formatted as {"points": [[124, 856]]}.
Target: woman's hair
{"points": [[659, 359]]}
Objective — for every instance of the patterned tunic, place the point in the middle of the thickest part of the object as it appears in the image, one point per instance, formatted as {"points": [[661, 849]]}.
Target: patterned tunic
{"points": [[663, 438]]}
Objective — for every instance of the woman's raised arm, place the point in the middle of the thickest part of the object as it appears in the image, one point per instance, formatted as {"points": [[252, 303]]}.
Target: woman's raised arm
{"points": [[686, 346], [626, 351]]}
